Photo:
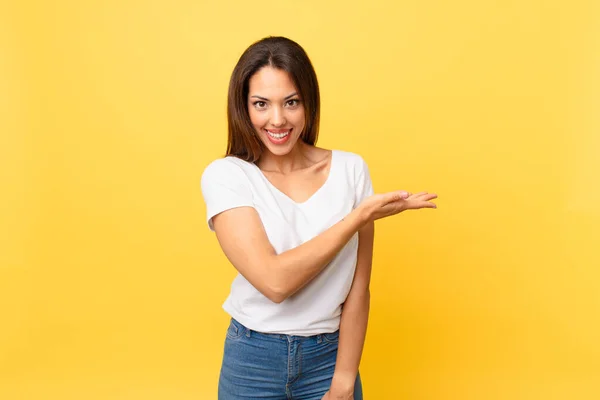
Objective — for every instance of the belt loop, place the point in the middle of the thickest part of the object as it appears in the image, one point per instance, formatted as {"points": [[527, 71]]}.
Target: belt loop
{"points": [[319, 338], [247, 332]]}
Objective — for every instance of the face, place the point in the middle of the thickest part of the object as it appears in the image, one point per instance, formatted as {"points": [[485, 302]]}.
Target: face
{"points": [[275, 109]]}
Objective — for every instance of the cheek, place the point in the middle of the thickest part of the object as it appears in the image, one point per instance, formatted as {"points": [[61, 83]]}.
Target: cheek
{"points": [[299, 119], [257, 119]]}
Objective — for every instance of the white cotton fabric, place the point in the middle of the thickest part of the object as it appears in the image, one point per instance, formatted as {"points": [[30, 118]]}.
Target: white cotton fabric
{"points": [[231, 182]]}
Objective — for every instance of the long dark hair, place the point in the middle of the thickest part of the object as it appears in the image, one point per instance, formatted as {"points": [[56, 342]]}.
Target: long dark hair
{"points": [[281, 53]]}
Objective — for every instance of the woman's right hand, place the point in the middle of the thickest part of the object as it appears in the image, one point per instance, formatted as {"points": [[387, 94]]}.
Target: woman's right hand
{"points": [[387, 204]]}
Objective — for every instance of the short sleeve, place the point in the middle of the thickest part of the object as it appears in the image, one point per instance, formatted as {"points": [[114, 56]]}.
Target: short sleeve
{"points": [[363, 184], [224, 186]]}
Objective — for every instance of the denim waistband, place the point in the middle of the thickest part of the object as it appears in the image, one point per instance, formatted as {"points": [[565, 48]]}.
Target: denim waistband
{"points": [[281, 336]]}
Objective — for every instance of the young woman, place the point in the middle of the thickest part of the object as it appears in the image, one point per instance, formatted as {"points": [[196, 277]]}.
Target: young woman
{"points": [[296, 221]]}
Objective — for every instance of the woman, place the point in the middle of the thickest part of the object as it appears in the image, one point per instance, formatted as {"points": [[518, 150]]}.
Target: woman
{"points": [[296, 221]]}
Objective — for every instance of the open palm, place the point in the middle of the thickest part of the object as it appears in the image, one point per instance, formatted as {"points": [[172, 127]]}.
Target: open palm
{"points": [[391, 203], [419, 200]]}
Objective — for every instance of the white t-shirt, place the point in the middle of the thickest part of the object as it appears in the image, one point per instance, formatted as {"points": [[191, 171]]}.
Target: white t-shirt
{"points": [[316, 308]]}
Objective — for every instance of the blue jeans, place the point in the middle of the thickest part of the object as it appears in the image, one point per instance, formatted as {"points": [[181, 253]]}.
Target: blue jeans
{"points": [[278, 367]]}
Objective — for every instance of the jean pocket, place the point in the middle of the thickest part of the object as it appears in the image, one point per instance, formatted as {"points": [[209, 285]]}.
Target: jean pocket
{"points": [[235, 330], [333, 337]]}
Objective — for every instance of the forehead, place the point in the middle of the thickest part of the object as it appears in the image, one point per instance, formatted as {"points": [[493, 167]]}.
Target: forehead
{"points": [[269, 80]]}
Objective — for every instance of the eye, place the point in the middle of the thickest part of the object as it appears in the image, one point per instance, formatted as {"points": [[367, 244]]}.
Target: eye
{"points": [[260, 104], [293, 102]]}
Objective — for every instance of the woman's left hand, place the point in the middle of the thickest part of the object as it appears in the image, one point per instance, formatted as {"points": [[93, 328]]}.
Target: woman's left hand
{"points": [[338, 396]]}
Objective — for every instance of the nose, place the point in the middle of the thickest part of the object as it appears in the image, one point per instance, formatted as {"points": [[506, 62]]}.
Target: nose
{"points": [[277, 117]]}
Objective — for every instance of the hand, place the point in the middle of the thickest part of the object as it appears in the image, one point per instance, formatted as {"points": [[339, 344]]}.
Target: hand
{"points": [[330, 396], [342, 388], [387, 204]]}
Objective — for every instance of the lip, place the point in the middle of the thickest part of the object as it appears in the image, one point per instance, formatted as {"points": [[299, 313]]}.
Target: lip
{"points": [[279, 141]]}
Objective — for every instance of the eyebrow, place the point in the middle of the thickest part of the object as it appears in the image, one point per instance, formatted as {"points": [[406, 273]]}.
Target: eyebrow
{"points": [[287, 97]]}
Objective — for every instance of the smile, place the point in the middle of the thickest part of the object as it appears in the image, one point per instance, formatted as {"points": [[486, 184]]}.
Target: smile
{"points": [[278, 134]]}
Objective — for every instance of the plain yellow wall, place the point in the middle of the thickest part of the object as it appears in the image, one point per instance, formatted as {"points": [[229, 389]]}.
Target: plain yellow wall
{"points": [[111, 284]]}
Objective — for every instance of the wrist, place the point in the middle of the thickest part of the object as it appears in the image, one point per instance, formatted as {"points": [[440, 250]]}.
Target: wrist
{"points": [[342, 383], [362, 215]]}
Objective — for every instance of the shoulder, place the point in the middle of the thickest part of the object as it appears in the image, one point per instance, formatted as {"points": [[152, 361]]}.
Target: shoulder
{"points": [[351, 161], [226, 171], [357, 173], [226, 166]]}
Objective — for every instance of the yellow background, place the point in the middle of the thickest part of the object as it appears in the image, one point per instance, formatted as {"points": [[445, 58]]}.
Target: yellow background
{"points": [[111, 284]]}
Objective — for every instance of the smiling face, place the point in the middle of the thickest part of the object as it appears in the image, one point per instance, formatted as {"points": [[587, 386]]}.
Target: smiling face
{"points": [[276, 110]]}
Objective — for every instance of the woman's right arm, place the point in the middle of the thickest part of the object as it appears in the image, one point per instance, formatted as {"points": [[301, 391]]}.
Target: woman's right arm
{"points": [[278, 276]]}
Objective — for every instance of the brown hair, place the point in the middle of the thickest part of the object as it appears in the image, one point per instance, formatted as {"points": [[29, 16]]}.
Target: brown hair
{"points": [[281, 53]]}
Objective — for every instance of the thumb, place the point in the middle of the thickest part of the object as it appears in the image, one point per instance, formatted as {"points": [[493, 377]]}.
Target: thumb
{"points": [[402, 194], [396, 196]]}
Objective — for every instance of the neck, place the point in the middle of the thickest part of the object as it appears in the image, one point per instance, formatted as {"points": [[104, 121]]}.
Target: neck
{"points": [[295, 159]]}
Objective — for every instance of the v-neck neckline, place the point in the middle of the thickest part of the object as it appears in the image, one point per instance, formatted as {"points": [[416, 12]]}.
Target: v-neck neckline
{"points": [[315, 193]]}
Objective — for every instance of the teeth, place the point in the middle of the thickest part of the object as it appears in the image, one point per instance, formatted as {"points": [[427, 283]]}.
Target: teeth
{"points": [[278, 135]]}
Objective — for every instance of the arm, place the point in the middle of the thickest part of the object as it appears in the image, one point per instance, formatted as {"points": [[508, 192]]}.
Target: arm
{"points": [[355, 315], [278, 276]]}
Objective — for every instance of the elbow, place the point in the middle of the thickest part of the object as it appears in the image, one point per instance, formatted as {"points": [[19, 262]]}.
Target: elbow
{"points": [[367, 297], [276, 294], [276, 289], [358, 299], [364, 299]]}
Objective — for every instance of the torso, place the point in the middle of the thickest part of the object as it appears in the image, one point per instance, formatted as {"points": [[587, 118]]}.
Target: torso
{"points": [[294, 208]]}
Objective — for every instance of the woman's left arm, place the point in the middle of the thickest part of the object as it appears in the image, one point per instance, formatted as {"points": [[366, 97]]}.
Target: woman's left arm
{"points": [[355, 315]]}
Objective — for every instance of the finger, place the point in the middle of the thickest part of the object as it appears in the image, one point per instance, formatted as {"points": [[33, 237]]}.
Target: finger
{"points": [[417, 195], [428, 196], [424, 196], [427, 204], [395, 196], [415, 205], [403, 194]]}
